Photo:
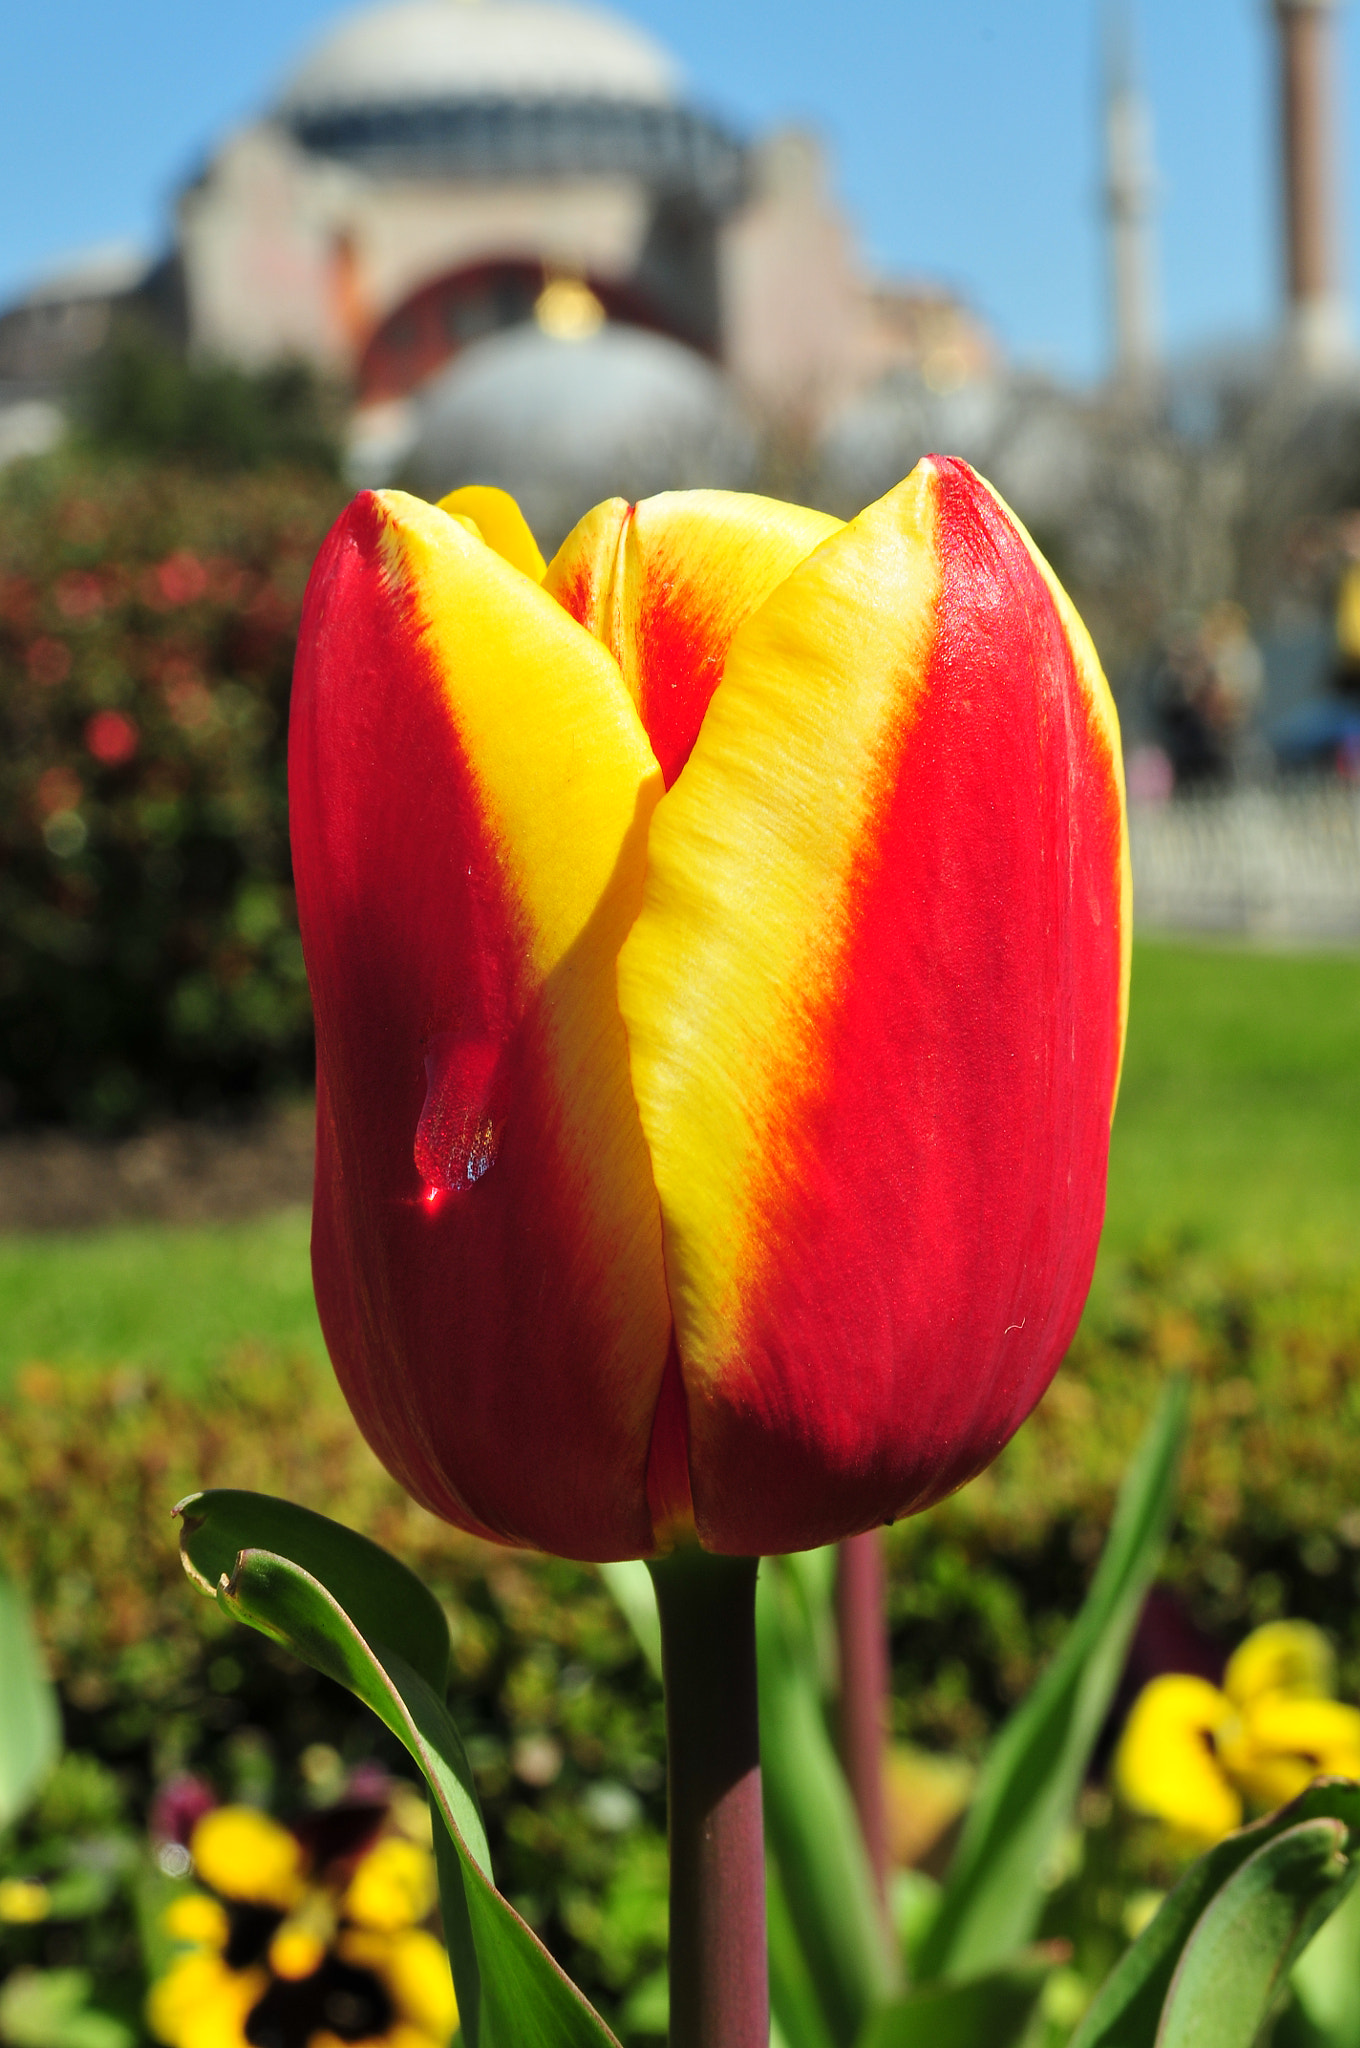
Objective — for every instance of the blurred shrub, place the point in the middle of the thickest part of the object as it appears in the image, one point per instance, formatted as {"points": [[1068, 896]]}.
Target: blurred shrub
{"points": [[149, 956], [145, 398]]}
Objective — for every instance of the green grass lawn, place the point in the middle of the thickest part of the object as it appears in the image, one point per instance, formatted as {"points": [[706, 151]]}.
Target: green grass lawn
{"points": [[1239, 1123], [173, 1301], [1239, 1114]]}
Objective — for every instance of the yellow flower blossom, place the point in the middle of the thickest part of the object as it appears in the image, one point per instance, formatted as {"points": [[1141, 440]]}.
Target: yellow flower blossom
{"points": [[1198, 1759], [302, 1954], [23, 1900]]}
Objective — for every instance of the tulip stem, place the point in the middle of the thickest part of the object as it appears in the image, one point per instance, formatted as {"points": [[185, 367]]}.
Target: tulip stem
{"points": [[718, 1973]]}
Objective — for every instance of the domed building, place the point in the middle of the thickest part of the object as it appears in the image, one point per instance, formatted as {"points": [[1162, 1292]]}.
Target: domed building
{"points": [[434, 166], [431, 166], [439, 176]]}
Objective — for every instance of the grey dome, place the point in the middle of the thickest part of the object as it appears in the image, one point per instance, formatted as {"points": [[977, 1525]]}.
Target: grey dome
{"points": [[564, 424], [448, 50]]}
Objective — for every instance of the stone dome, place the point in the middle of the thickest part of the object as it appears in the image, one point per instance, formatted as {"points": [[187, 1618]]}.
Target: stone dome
{"points": [[417, 51], [564, 424]]}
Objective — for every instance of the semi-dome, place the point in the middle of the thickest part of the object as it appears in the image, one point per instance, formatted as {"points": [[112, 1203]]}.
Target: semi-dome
{"points": [[563, 424], [417, 51]]}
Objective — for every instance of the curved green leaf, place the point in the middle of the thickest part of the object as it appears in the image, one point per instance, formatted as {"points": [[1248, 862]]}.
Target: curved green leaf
{"points": [[511, 1994], [794, 2004], [1248, 1938], [1127, 2009], [382, 1598], [991, 2011], [30, 1727], [993, 1896]]}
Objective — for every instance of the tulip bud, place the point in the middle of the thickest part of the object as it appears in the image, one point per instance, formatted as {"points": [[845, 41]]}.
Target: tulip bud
{"points": [[720, 956]]}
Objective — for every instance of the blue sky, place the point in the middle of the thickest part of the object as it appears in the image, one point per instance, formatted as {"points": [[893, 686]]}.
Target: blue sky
{"points": [[965, 136]]}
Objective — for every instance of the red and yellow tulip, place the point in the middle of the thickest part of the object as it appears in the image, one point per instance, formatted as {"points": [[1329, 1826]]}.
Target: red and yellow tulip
{"points": [[719, 947]]}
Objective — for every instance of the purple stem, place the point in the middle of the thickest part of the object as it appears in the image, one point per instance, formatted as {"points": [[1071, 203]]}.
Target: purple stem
{"points": [[718, 1973]]}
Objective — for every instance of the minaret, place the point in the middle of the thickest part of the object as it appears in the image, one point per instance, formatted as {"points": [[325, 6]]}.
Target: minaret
{"points": [[1130, 189], [1318, 333]]}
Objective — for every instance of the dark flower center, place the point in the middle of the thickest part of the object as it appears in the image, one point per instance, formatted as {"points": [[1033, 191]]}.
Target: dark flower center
{"points": [[251, 1931], [336, 1998]]}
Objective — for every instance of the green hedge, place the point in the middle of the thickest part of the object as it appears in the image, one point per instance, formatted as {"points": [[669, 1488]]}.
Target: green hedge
{"points": [[149, 958]]}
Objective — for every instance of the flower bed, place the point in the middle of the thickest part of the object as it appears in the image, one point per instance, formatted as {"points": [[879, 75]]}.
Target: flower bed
{"points": [[563, 1721], [149, 957]]}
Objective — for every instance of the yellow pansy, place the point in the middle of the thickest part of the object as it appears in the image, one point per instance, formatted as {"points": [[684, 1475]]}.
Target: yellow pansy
{"points": [[289, 1938], [1197, 1758]]}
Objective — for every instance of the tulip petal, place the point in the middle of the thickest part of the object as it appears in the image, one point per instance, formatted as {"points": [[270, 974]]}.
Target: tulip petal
{"points": [[501, 524], [874, 1003], [470, 792], [666, 583]]}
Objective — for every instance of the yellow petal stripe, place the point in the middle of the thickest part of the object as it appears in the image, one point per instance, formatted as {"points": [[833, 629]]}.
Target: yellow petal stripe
{"points": [[470, 789], [541, 714], [687, 568], [750, 871]]}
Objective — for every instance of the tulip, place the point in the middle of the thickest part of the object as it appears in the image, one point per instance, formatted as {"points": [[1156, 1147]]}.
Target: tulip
{"points": [[719, 952], [719, 948]]}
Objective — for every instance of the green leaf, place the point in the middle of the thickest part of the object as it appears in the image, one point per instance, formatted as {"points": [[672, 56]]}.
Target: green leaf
{"points": [[648, 2005], [1127, 2009], [51, 2009], [1326, 1981], [631, 1584], [811, 1828], [30, 1727], [991, 2011], [993, 1896], [382, 1598], [1235, 1963], [793, 1995], [511, 1994]]}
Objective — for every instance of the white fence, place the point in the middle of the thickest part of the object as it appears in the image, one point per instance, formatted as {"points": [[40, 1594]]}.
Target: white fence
{"points": [[1276, 862]]}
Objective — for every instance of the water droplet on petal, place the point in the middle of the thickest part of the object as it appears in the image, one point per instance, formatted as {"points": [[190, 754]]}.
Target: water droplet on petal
{"points": [[459, 1132]]}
